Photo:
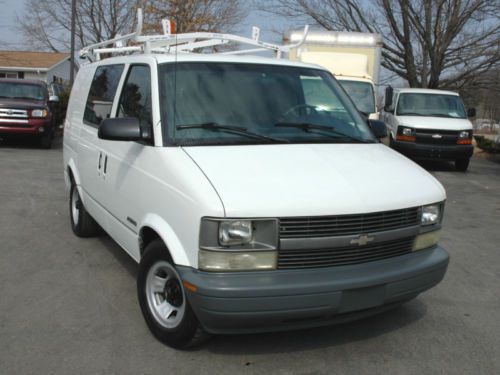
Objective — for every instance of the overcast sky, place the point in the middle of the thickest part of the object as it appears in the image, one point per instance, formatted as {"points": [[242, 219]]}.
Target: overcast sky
{"points": [[7, 20], [10, 38]]}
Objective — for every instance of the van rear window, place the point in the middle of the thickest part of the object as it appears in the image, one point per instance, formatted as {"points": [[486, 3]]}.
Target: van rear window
{"points": [[102, 93]]}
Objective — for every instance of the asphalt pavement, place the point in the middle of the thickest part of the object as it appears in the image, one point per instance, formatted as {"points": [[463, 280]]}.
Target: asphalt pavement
{"points": [[68, 305]]}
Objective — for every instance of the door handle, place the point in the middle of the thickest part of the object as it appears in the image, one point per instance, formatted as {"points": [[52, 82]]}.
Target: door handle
{"points": [[105, 163], [99, 162]]}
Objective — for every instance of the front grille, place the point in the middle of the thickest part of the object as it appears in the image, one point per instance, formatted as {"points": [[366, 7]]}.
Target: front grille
{"points": [[432, 137], [342, 256], [13, 113], [344, 225]]}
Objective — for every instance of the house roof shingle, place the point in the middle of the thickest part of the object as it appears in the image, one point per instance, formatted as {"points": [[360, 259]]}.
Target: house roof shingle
{"points": [[31, 60]]}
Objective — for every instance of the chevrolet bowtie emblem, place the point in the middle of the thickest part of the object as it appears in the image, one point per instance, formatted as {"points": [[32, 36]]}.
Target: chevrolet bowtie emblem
{"points": [[362, 240]]}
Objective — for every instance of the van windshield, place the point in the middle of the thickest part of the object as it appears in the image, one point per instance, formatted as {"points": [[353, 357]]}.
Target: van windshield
{"points": [[431, 105], [14, 90], [229, 103], [361, 94]]}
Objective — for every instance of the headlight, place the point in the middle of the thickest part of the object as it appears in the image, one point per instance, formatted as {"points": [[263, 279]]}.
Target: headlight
{"points": [[238, 244], [39, 113], [406, 134], [407, 131], [238, 232], [431, 214], [464, 138], [426, 240], [464, 134], [236, 260]]}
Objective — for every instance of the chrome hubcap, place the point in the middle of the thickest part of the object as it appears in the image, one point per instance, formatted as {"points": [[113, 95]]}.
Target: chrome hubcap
{"points": [[165, 294], [75, 206]]}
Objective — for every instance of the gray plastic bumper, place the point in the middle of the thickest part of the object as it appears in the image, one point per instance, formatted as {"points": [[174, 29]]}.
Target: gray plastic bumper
{"points": [[288, 299], [425, 151]]}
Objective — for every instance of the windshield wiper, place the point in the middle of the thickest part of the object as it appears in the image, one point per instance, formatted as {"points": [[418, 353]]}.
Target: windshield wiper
{"points": [[213, 126], [307, 127]]}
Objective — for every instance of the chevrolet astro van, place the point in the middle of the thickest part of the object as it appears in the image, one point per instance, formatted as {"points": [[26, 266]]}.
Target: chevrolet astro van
{"points": [[251, 192]]}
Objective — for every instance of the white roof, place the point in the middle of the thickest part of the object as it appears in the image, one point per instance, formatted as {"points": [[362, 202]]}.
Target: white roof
{"points": [[425, 91], [161, 58]]}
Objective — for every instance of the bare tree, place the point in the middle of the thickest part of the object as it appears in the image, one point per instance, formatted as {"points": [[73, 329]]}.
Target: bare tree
{"points": [[46, 24], [195, 15], [486, 96], [429, 43]]}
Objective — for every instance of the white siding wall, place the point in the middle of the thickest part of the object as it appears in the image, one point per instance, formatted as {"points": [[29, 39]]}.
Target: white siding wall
{"points": [[34, 75], [61, 71]]}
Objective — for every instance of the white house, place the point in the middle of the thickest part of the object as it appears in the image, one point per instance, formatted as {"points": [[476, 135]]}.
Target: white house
{"points": [[45, 66]]}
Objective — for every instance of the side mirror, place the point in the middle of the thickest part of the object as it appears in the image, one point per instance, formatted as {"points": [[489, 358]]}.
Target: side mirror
{"points": [[53, 99], [378, 128], [120, 129], [471, 112]]}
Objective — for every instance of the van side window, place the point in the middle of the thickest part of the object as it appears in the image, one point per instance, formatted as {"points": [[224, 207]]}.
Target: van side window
{"points": [[102, 93], [135, 99]]}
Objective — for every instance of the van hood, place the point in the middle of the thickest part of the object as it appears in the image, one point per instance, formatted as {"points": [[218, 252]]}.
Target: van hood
{"points": [[438, 123], [314, 179]]}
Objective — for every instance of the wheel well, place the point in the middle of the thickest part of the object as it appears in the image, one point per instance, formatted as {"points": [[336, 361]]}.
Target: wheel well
{"points": [[148, 235], [70, 174]]}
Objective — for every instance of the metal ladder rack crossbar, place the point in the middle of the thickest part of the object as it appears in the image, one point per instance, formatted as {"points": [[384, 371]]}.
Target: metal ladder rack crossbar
{"points": [[184, 43]]}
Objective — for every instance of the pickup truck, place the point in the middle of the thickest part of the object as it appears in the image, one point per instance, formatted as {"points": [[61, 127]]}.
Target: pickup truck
{"points": [[25, 110]]}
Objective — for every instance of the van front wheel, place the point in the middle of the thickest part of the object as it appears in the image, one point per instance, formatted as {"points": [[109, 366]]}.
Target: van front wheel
{"points": [[462, 164], [163, 301]]}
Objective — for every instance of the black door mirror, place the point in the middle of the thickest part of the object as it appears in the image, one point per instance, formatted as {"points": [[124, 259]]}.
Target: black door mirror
{"points": [[120, 129], [471, 112], [378, 128]]}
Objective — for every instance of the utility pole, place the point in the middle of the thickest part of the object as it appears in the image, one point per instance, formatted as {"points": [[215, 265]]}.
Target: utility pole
{"points": [[72, 60]]}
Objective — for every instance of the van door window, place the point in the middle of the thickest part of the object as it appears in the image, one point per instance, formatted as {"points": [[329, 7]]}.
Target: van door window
{"points": [[102, 93], [135, 99]]}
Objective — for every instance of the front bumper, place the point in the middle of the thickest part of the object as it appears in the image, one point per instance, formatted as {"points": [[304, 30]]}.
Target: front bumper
{"points": [[433, 151], [290, 299], [26, 127]]}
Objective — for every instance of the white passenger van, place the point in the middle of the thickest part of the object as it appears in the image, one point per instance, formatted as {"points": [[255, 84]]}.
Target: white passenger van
{"points": [[248, 206], [429, 124]]}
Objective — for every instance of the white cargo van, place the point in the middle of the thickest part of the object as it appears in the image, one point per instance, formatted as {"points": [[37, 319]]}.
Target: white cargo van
{"points": [[429, 124], [248, 206]]}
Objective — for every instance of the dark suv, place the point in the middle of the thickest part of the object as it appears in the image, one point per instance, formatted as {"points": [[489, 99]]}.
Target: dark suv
{"points": [[25, 110]]}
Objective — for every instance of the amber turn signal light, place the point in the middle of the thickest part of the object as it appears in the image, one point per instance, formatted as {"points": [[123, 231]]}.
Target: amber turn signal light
{"points": [[405, 138]]}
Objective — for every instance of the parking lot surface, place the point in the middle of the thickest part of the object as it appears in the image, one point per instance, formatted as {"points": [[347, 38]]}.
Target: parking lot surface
{"points": [[68, 305]]}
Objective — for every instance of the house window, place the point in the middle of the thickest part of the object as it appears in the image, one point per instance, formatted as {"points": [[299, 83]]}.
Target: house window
{"points": [[8, 74]]}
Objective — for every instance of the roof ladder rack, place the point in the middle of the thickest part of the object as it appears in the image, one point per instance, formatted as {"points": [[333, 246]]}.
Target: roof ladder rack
{"points": [[184, 43]]}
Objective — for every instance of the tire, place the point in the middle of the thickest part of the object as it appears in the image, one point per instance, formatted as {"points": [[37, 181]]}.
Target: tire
{"points": [[461, 165], [45, 141], [82, 224], [163, 301]]}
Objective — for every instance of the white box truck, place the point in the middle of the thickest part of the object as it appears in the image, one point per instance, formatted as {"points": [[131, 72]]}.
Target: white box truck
{"points": [[354, 59]]}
